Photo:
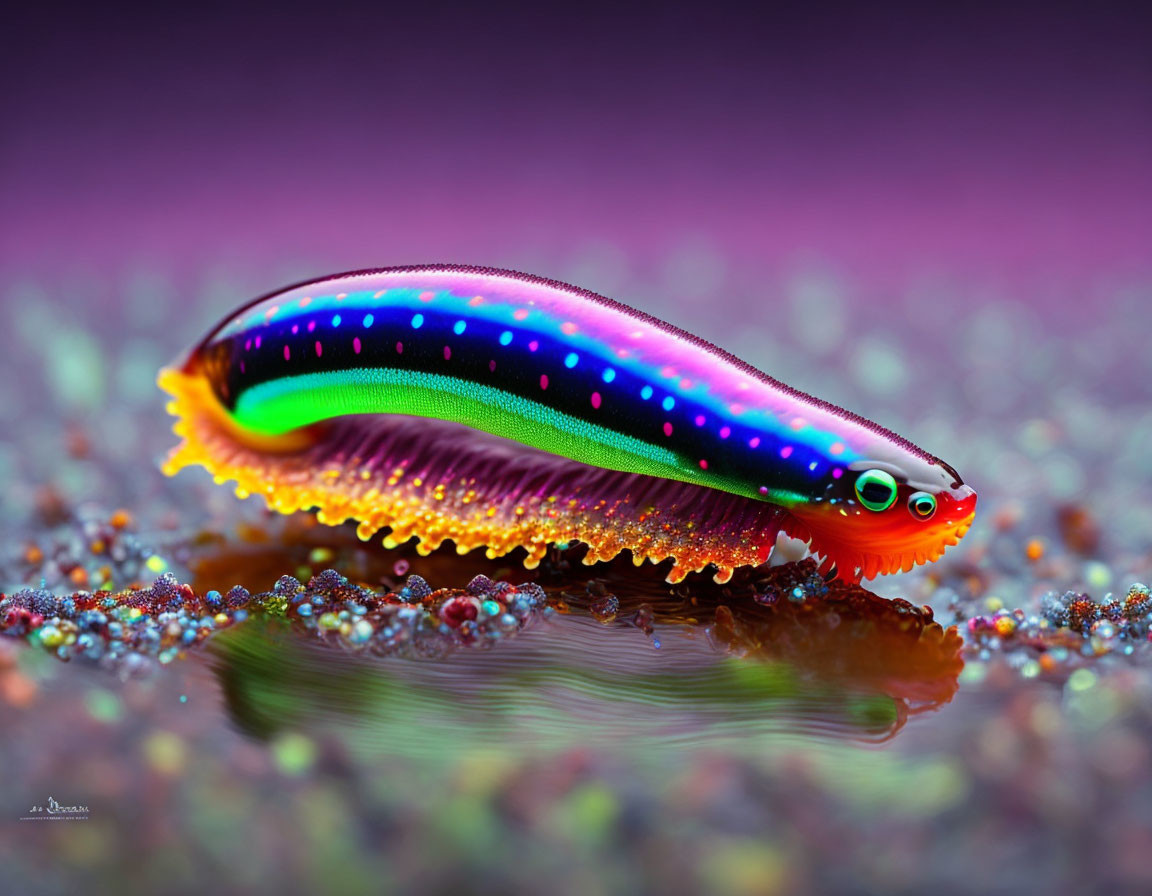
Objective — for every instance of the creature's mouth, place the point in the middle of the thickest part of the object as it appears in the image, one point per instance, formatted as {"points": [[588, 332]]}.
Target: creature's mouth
{"points": [[858, 551]]}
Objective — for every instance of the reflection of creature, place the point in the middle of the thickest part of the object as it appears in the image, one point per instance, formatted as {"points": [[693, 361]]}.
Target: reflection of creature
{"points": [[571, 681], [782, 650], [773, 648], [835, 634], [552, 415], [851, 637]]}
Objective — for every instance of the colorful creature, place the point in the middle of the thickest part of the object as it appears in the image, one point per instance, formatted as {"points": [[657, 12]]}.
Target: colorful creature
{"points": [[503, 411]]}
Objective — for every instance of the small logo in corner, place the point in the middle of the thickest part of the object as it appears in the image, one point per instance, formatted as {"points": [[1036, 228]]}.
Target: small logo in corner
{"points": [[54, 811]]}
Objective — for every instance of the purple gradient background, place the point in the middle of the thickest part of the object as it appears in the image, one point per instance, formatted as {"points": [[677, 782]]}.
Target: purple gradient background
{"points": [[939, 219], [994, 147]]}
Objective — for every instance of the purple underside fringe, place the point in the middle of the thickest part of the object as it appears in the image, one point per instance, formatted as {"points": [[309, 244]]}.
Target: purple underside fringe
{"points": [[506, 474]]}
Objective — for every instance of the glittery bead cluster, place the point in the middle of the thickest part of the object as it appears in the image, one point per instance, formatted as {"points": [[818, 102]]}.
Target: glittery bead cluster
{"points": [[134, 629]]}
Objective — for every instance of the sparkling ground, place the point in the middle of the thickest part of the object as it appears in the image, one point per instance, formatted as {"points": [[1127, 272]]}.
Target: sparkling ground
{"points": [[613, 736]]}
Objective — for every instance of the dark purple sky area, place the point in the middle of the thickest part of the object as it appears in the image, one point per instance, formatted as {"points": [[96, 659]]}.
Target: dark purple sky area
{"points": [[1005, 140]]}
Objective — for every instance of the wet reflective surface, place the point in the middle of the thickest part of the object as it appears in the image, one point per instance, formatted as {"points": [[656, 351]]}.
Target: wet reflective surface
{"points": [[717, 668]]}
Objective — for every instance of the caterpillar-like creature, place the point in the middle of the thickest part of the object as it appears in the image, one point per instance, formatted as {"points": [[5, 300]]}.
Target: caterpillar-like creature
{"points": [[503, 411]]}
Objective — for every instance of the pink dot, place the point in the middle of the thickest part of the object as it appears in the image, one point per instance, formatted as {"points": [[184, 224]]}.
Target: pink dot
{"points": [[836, 448], [786, 451], [399, 348], [596, 399], [763, 489], [311, 325], [247, 345], [427, 296], [667, 429], [725, 432], [520, 314], [685, 383], [668, 371], [257, 342], [287, 353], [703, 465], [319, 349], [295, 329], [754, 442], [356, 344], [492, 366], [837, 473], [241, 366], [699, 419], [568, 328], [447, 353], [533, 345], [543, 381], [737, 409]]}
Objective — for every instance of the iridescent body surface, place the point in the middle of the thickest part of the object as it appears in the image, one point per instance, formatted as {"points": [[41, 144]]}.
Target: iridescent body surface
{"points": [[501, 410]]}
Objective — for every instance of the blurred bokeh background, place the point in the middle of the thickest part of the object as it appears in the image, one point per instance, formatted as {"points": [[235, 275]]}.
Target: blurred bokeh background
{"points": [[899, 144], [939, 217]]}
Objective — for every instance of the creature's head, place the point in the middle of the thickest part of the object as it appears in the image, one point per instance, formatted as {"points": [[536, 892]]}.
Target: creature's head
{"points": [[882, 516]]}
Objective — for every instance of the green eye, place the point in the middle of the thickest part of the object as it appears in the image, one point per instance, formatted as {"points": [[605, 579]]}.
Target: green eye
{"points": [[922, 505], [876, 489]]}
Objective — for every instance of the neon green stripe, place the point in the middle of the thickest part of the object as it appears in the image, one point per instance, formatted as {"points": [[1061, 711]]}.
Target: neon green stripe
{"points": [[278, 406]]}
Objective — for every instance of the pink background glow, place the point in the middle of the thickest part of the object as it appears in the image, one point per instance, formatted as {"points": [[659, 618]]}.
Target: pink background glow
{"points": [[894, 145]]}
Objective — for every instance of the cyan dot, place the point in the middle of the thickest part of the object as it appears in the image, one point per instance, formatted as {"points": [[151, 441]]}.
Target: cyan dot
{"points": [[609, 374], [572, 360], [417, 321], [368, 318], [669, 403], [646, 392], [460, 327], [505, 337], [336, 320]]}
